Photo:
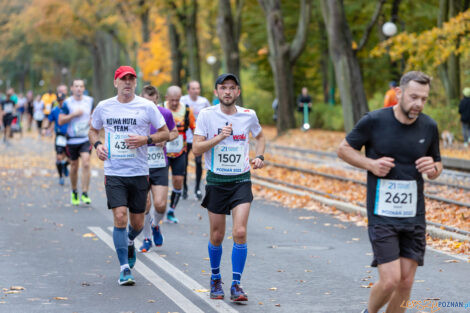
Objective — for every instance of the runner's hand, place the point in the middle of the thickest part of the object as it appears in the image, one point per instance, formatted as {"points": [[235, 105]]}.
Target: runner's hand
{"points": [[79, 112], [102, 152], [135, 141], [425, 165], [257, 163], [161, 144], [381, 167], [226, 131]]}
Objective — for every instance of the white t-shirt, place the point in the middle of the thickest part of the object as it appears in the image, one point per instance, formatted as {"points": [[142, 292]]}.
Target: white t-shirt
{"points": [[38, 114], [225, 158], [120, 120], [79, 126], [196, 106]]}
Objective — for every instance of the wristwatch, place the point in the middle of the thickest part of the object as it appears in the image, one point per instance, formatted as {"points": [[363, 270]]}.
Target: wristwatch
{"points": [[149, 140], [261, 157]]}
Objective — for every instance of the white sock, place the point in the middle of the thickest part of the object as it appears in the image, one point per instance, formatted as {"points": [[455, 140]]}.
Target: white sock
{"points": [[147, 231], [130, 242], [123, 267], [157, 218]]}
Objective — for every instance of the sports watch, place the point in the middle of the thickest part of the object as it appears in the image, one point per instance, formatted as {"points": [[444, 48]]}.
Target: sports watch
{"points": [[149, 140]]}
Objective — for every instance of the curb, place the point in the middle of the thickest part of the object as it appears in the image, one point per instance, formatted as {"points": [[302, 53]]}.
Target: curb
{"points": [[351, 208]]}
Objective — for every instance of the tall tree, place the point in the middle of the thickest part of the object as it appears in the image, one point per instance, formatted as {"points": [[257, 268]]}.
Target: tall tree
{"points": [[347, 70], [176, 54], [283, 55]]}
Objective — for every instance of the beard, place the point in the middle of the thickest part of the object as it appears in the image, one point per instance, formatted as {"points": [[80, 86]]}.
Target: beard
{"points": [[228, 103], [407, 113]]}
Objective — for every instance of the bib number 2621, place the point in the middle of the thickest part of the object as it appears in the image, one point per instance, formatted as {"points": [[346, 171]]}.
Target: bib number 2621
{"points": [[396, 198]]}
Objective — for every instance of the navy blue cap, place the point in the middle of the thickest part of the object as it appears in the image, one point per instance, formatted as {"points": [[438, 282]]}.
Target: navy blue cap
{"points": [[226, 76]]}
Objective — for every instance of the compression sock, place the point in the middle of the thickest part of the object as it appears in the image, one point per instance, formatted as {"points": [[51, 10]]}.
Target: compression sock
{"points": [[215, 254], [157, 218], [239, 253], [59, 166], [120, 244], [198, 172], [175, 197], [147, 230], [132, 234]]}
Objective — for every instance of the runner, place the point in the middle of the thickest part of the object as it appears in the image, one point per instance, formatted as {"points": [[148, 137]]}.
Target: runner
{"points": [[48, 99], [76, 111], [196, 103], [38, 107], [29, 109], [177, 149], [401, 145], [126, 120], [60, 138], [7, 109], [158, 176], [222, 134]]}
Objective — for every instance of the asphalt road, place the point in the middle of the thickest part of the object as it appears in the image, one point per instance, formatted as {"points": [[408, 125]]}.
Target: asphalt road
{"points": [[298, 261]]}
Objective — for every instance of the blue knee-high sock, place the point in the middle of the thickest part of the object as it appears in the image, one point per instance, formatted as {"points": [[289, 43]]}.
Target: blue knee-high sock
{"points": [[120, 244], [239, 253], [133, 233], [215, 254]]}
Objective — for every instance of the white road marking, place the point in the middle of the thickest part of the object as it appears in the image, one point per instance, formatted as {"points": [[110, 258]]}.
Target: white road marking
{"points": [[217, 305], [151, 276]]}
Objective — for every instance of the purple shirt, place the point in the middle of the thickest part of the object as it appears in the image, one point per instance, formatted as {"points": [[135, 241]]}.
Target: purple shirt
{"points": [[170, 123]]}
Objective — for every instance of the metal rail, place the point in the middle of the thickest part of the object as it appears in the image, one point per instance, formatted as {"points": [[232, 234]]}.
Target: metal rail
{"points": [[346, 179], [326, 194]]}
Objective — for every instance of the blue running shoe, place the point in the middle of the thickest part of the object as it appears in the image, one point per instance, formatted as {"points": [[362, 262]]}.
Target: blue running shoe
{"points": [[61, 181], [146, 245], [237, 293], [157, 236], [170, 216], [131, 256], [126, 278], [216, 289]]}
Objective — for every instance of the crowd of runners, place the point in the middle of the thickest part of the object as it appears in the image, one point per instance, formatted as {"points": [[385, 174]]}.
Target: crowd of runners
{"points": [[146, 135]]}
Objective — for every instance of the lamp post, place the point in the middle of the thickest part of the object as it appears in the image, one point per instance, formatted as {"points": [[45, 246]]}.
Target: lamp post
{"points": [[212, 60], [389, 29]]}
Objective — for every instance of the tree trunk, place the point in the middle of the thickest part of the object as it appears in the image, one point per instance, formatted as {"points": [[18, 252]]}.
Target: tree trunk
{"points": [[324, 61], [229, 36], [347, 70], [176, 55], [190, 29], [105, 52], [282, 57]]}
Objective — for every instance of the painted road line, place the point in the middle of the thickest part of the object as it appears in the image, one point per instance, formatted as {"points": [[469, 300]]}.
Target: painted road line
{"points": [[188, 282], [151, 276]]}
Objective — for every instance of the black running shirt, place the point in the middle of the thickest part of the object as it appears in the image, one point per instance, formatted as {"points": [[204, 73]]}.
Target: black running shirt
{"points": [[383, 135]]}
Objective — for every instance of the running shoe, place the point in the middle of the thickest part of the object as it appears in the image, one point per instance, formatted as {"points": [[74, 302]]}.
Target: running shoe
{"points": [[198, 195], [85, 198], [74, 199], [61, 181], [216, 289], [364, 311], [157, 236], [237, 293], [131, 256], [185, 194], [170, 216], [126, 278], [146, 245]]}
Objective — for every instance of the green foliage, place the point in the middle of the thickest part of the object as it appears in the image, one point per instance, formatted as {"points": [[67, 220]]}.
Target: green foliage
{"points": [[326, 116]]}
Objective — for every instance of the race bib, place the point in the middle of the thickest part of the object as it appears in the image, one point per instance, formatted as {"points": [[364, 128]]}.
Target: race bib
{"points": [[118, 148], [396, 198], [228, 159], [156, 157], [175, 146], [38, 116], [80, 129], [8, 108], [60, 141]]}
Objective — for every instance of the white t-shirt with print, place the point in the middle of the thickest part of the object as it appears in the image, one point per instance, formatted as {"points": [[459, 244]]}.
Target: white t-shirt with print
{"points": [[120, 120], [209, 124], [79, 126], [196, 106]]}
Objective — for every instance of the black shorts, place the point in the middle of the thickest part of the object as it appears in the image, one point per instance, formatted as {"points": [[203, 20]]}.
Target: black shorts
{"points": [[178, 165], [7, 119], [390, 242], [130, 192], [221, 199], [73, 151], [158, 176]]}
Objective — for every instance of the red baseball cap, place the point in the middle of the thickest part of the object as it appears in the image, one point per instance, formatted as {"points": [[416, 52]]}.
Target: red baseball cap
{"points": [[123, 71]]}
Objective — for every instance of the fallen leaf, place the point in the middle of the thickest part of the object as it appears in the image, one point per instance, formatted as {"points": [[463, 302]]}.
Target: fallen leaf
{"points": [[273, 288], [451, 261], [150, 301], [88, 235], [307, 217], [61, 298], [201, 290], [16, 288]]}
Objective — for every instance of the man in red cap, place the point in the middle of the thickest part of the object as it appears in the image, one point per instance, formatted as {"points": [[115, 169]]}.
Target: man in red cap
{"points": [[126, 119]]}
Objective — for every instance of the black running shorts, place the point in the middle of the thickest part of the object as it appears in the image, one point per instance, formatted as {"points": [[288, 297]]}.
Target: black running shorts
{"points": [[159, 176], [390, 242], [7, 119], [130, 192], [221, 199], [73, 151], [178, 165]]}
